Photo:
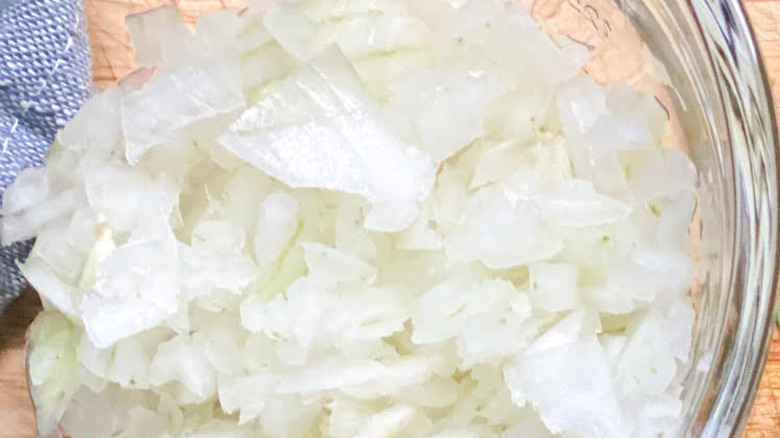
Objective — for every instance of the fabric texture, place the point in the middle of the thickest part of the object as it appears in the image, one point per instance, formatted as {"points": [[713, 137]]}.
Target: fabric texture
{"points": [[44, 79]]}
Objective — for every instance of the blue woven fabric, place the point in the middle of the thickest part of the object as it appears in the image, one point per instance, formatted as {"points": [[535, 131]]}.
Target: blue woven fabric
{"points": [[44, 79]]}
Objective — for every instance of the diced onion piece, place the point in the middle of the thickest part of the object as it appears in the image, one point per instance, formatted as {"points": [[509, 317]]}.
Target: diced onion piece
{"points": [[191, 94], [324, 104], [441, 110], [30, 187]]}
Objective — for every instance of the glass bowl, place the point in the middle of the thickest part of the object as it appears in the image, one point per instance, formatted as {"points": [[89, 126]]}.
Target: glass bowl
{"points": [[700, 60]]}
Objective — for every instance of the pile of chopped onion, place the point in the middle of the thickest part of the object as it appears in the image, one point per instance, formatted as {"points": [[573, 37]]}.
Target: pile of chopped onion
{"points": [[359, 218]]}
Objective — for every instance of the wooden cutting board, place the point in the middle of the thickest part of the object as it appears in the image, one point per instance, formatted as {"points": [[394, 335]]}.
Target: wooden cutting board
{"points": [[112, 58]]}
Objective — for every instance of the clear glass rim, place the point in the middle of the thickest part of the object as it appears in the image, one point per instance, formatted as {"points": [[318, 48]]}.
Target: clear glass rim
{"points": [[748, 106]]}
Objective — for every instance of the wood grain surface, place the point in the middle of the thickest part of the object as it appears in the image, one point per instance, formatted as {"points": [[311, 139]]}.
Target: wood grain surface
{"points": [[764, 421], [112, 58]]}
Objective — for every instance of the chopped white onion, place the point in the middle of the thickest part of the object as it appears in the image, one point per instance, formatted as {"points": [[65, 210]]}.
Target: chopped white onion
{"points": [[359, 218]]}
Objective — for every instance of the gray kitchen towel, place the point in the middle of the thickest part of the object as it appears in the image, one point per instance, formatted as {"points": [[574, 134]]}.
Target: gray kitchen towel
{"points": [[44, 79]]}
